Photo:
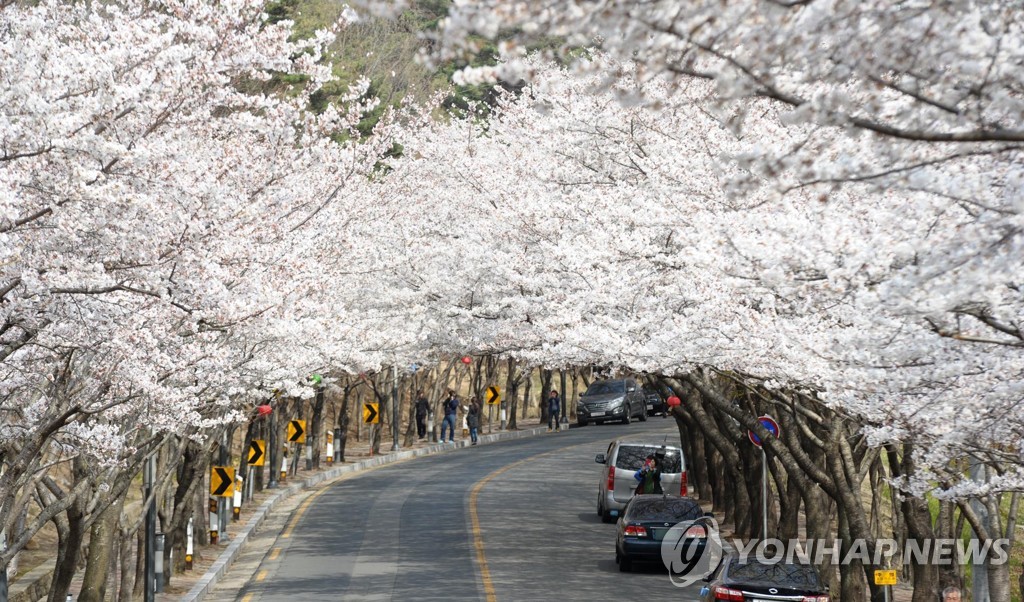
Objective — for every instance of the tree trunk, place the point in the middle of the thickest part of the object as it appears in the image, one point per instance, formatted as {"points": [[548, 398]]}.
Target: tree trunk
{"points": [[98, 565], [70, 545], [545, 386], [124, 550], [140, 564], [316, 425], [527, 390], [509, 403], [341, 437], [191, 473]]}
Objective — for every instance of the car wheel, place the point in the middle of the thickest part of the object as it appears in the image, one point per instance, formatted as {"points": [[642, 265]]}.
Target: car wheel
{"points": [[581, 422], [629, 415], [625, 564], [606, 517], [643, 415]]}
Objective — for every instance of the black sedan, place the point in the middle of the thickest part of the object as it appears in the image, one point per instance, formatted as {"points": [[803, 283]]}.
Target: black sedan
{"points": [[646, 520], [752, 580]]}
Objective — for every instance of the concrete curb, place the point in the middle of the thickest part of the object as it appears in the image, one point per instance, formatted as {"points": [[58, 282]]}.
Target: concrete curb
{"points": [[216, 572]]}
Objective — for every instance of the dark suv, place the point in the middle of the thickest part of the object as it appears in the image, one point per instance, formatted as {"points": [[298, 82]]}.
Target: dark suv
{"points": [[620, 399]]}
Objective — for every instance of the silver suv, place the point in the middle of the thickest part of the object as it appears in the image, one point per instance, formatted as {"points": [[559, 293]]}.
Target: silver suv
{"points": [[621, 462], [620, 399]]}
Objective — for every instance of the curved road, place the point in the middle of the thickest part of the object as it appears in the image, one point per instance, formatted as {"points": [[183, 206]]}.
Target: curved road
{"points": [[507, 521]]}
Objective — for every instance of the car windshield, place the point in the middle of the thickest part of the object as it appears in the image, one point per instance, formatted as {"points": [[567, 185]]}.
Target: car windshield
{"points": [[781, 573], [663, 509], [631, 457], [606, 386]]}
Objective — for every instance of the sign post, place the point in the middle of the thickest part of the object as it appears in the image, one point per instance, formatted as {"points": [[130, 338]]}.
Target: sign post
{"points": [[494, 399], [885, 578], [773, 427], [371, 414]]}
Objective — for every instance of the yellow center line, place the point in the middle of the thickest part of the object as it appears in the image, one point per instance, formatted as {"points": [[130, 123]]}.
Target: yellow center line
{"points": [[275, 553], [247, 598], [474, 518], [261, 576]]}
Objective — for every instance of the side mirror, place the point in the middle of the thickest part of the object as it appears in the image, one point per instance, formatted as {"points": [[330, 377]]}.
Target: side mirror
{"points": [[599, 458], [631, 389]]}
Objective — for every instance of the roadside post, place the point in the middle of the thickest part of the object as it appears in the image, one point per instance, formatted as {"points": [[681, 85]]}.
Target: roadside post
{"points": [[330, 448], [236, 507], [394, 408], [189, 549], [214, 523], [564, 418], [773, 427], [158, 564]]}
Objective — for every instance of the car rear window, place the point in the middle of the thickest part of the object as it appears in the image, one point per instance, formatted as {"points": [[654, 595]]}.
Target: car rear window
{"points": [[664, 509], [631, 457], [605, 387], [781, 573]]}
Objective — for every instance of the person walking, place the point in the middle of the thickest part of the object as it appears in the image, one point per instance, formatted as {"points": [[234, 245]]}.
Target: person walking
{"points": [[422, 409], [451, 408], [473, 419], [554, 409]]}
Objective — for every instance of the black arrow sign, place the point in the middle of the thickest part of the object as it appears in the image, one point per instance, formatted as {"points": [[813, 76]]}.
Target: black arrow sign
{"points": [[225, 480], [369, 413], [493, 395], [255, 453], [297, 425]]}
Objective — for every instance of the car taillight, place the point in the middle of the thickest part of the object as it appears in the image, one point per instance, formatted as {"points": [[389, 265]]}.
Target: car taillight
{"points": [[636, 531], [682, 483], [724, 593], [696, 531], [816, 599], [611, 478]]}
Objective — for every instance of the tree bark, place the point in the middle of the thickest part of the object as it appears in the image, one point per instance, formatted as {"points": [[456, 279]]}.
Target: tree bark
{"points": [[98, 566], [124, 550], [191, 472], [316, 425], [70, 545]]}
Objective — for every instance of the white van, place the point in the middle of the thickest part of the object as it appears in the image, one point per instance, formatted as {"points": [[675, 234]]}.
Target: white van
{"points": [[620, 463]]}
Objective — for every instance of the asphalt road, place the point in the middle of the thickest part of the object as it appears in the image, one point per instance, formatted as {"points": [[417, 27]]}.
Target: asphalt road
{"points": [[407, 531]]}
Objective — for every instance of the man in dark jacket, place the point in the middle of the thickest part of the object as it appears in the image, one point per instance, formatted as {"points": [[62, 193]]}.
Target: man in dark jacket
{"points": [[422, 409], [554, 410], [451, 408]]}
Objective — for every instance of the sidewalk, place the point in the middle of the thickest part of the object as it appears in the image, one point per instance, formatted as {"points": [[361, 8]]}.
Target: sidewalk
{"points": [[269, 508]]}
